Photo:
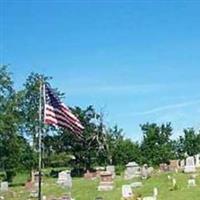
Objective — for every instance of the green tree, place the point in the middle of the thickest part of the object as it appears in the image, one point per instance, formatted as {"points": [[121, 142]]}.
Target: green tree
{"points": [[190, 142], [121, 150], [30, 105], [9, 124], [157, 146], [86, 149]]}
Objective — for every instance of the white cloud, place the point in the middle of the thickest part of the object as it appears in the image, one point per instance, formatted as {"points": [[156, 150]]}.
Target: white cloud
{"points": [[117, 89], [168, 107]]}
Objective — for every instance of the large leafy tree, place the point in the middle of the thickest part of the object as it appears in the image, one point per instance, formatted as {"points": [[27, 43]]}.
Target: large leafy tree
{"points": [[189, 142], [30, 105], [157, 146], [10, 116], [120, 149], [30, 110], [86, 149]]}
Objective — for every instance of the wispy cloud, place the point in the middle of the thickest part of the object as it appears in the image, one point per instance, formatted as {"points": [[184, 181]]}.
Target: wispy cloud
{"points": [[117, 89], [168, 107]]}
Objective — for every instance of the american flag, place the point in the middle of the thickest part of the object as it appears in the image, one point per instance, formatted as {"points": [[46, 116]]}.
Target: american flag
{"points": [[58, 114]]}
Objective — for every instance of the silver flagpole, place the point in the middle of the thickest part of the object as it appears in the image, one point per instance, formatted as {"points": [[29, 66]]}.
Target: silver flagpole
{"points": [[40, 142]]}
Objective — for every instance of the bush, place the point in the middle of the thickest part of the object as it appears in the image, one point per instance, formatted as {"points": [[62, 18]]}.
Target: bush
{"points": [[2, 176], [10, 174], [77, 172], [119, 169]]}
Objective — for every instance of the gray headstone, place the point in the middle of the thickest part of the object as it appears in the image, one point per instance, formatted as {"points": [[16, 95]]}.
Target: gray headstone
{"points": [[144, 172], [132, 170], [4, 186], [64, 179], [111, 168]]}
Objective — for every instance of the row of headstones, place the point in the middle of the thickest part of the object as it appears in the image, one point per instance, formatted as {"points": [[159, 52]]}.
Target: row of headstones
{"points": [[106, 177], [133, 170], [188, 165]]}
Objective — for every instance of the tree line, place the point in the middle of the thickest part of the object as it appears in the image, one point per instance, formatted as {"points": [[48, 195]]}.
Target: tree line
{"points": [[100, 145]]}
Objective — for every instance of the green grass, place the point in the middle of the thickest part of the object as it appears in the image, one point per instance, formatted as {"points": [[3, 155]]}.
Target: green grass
{"points": [[87, 189]]}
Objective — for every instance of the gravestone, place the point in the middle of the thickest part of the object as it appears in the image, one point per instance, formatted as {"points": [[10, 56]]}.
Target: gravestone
{"points": [[99, 170], [164, 167], [174, 165], [111, 168], [182, 164], [154, 197], [197, 161], [190, 165], [144, 172], [191, 182], [150, 170], [173, 182], [4, 186], [132, 171], [106, 181], [35, 179], [64, 179], [127, 192], [136, 185], [90, 175]]}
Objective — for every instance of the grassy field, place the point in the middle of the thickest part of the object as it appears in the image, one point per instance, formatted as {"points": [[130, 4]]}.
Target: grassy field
{"points": [[87, 189]]}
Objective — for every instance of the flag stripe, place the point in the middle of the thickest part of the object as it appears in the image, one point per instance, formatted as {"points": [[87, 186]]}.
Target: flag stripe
{"points": [[50, 120], [58, 118], [64, 114], [56, 113]]}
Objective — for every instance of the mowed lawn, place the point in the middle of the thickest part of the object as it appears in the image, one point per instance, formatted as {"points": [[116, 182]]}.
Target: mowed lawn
{"points": [[87, 189]]}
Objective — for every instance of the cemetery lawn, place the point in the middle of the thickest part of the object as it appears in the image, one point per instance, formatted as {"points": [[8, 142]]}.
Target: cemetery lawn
{"points": [[87, 189]]}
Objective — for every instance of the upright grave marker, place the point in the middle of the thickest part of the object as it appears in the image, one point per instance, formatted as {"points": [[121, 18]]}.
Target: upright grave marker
{"points": [[4, 186], [190, 165], [132, 171], [106, 181], [64, 179]]}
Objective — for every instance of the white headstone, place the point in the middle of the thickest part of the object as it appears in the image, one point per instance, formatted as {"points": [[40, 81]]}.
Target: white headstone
{"points": [[173, 182], [191, 183], [190, 165], [136, 184], [4, 186], [64, 179], [111, 168], [197, 161], [127, 191], [155, 192], [154, 197]]}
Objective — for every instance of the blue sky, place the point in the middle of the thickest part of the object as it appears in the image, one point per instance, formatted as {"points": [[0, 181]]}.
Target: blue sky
{"points": [[137, 60]]}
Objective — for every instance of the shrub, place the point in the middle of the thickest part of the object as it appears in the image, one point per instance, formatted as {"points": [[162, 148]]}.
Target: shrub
{"points": [[10, 174], [119, 169]]}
